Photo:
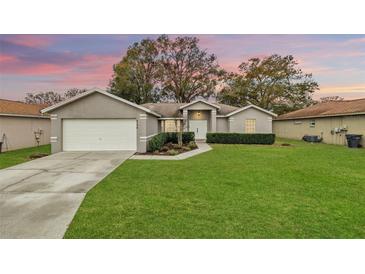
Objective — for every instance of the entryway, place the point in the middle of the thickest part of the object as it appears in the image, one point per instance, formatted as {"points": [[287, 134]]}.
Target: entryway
{"points": [[199, 127]]}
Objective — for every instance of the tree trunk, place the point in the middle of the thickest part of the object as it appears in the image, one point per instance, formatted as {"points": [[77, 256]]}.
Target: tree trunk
{"points": [[179, 134]]}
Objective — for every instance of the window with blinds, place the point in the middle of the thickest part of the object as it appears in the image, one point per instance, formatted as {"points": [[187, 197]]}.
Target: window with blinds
{"points": [[170, 125], [250, 125]]}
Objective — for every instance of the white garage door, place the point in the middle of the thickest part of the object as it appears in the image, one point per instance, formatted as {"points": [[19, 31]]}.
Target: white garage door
{"points": [[99, 134]]}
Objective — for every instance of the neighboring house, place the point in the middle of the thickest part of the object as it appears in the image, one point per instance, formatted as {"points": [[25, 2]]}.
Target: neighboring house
{"points": [[21, 123], [98, 120], [331, 121]]}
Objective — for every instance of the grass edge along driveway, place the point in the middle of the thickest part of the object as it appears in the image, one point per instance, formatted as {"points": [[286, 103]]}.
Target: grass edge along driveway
{"points": [[15, 157], [234, 191]]}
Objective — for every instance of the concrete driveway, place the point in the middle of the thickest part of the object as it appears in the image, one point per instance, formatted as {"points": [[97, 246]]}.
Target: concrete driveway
{"points": [[39, 199]]}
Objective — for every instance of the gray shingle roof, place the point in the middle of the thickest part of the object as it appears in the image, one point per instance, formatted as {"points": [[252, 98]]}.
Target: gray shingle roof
{"points": [[172, 109]]}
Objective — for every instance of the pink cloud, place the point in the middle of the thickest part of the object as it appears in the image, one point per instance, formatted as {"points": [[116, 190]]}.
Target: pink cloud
{"points": [[34, 41], [7, 58]]}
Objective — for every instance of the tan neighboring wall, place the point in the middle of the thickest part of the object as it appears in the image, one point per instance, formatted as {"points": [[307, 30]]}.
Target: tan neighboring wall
{"points": [[19, 131], [296, 129]]}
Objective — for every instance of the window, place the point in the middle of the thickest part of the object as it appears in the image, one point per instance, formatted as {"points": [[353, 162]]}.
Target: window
{"points": [[297, 122], [312, 123], [170, 125], [250, 125]]}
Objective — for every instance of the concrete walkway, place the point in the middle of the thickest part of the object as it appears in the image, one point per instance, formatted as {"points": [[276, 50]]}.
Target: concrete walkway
{"points": [[39, 199], [202, 147]]}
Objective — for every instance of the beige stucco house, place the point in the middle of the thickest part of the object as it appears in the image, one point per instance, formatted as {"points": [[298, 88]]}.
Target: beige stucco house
{"points": [[98, 120], [331, 120], [22, 124]]}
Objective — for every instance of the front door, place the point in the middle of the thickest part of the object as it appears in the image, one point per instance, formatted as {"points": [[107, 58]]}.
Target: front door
{"points": [[199, 127]]}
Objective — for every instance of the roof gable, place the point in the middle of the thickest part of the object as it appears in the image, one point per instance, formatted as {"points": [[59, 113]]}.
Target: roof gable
{"points": [[80, 96], [251, 106], [199, 101]]}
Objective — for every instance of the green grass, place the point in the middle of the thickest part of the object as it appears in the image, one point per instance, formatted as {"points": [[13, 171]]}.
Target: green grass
{"points": [[234, 191], [14, 157]]}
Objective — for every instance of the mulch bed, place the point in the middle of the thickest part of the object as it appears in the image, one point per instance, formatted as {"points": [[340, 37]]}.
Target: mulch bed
{"points": [[168, 147]]}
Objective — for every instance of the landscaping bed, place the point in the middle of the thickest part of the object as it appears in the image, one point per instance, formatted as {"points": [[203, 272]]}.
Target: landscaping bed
{"points": [[166, 143], [171, 149]]}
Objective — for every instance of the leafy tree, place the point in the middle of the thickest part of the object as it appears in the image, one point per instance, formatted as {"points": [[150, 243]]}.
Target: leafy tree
{"points": [[73, 92], [135, 77], [186, 71], [44, 98], [331, 99], [274, 83]]}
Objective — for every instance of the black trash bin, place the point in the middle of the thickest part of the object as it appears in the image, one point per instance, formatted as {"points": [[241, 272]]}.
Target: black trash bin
{"points": [[1, 144], [353, 140]]}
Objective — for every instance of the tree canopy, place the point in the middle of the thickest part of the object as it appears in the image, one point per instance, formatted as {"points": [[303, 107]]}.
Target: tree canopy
{"points": [[165, 70], [136, 76], [274, 82], [187, 72]]}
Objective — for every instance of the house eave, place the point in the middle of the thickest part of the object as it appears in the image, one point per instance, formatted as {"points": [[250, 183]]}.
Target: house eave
{"points": [[251, 106], [24, 115], [170, 118], [77, 97], [320, 116]]}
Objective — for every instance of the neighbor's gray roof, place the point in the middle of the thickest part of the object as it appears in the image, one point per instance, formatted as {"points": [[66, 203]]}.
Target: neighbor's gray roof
{"points": [[172, 109]]}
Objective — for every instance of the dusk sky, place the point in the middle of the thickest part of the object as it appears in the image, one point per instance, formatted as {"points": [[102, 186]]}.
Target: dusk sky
{"points": [[33, 63]]}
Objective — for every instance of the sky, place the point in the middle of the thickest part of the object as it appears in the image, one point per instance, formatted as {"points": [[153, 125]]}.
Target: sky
{"points": [[35, 63]]}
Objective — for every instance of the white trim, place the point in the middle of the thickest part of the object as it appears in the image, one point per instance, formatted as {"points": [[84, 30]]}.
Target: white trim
{"points": [[251, 106], [221, 116], [199, 101], [53, 139], [142, 138], [171, 118], [24, 115], [77, 97]]}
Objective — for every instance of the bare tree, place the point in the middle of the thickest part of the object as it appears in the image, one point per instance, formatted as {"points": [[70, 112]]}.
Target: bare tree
{"points": [[44, 98]]}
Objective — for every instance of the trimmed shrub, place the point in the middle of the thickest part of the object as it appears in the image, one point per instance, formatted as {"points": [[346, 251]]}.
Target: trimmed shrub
{"points": [[192, 145], [156, 142], [159, 140], [173, 152], [241, 138], [186, 137]]}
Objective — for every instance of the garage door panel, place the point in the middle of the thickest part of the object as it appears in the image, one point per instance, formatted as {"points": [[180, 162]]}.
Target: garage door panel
{"points": [[99, 134]]}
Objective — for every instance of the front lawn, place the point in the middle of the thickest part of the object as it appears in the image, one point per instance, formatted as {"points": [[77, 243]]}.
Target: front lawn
{"points": [[234, 191], [14, 157]]}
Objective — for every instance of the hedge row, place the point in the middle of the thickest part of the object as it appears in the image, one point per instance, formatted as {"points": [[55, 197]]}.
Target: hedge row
{"points": [[157, 141], [186, 137], [241, 138]]}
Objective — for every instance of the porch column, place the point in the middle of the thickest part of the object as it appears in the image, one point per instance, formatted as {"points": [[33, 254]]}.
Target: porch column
{"points": [[142, 133], [185, 120], [213, 121]]}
